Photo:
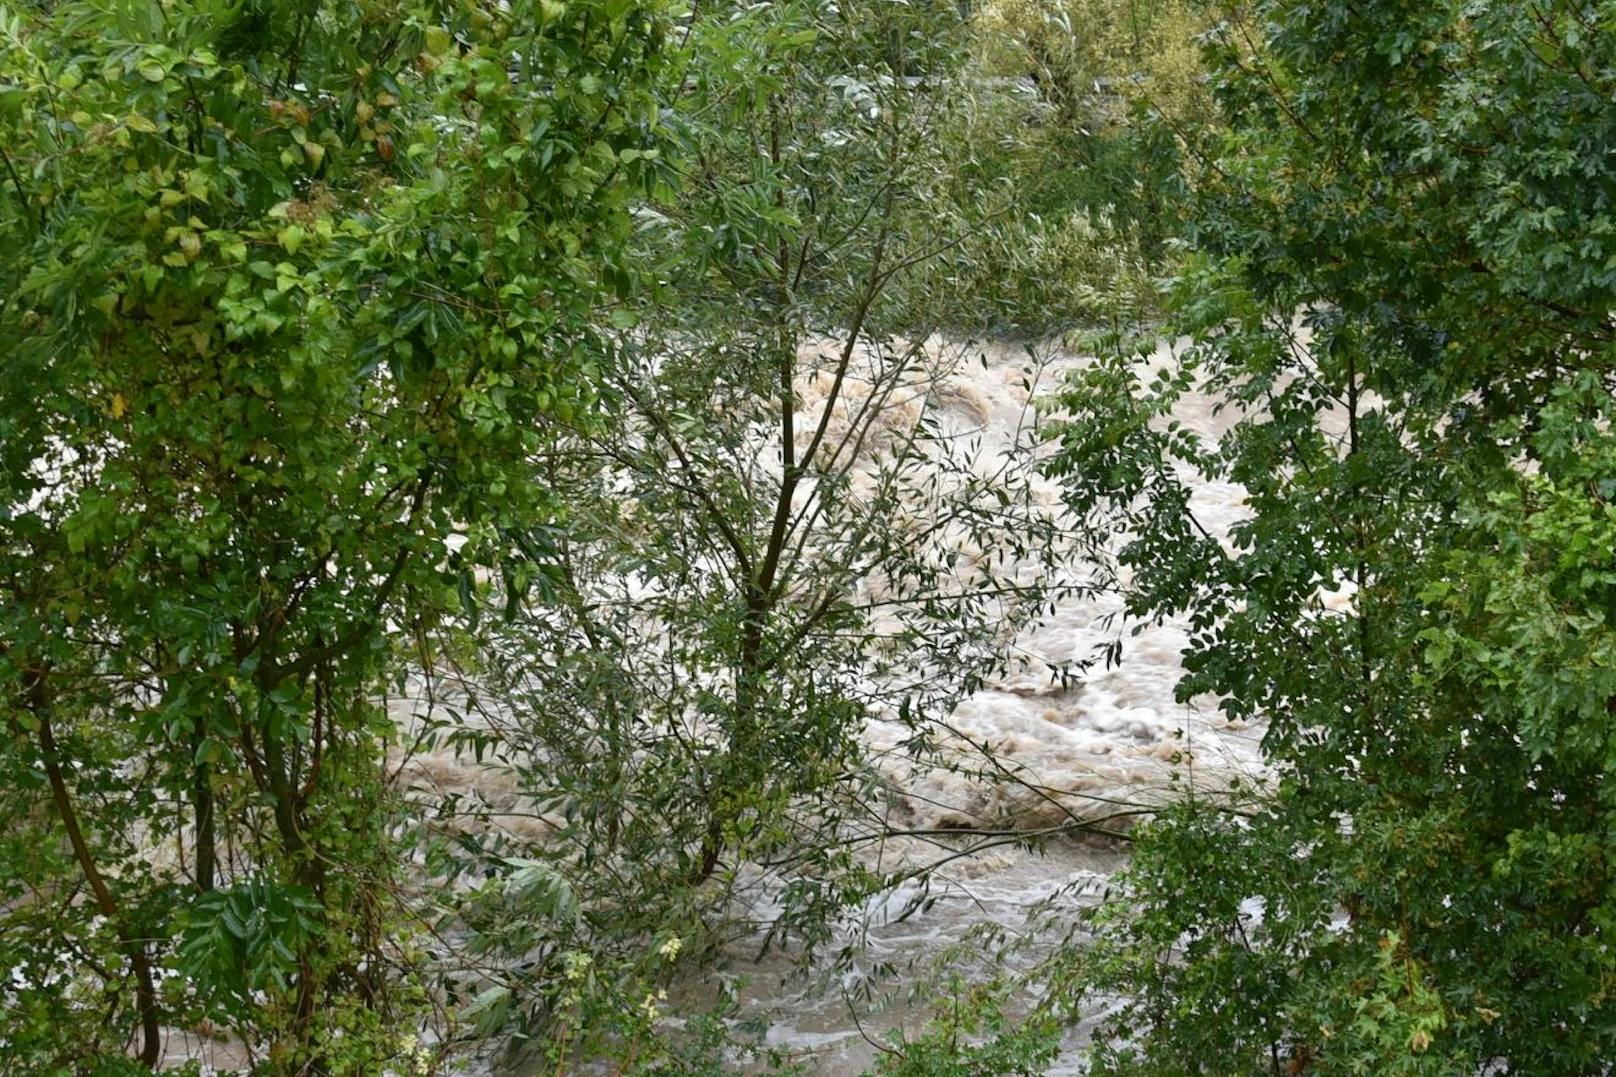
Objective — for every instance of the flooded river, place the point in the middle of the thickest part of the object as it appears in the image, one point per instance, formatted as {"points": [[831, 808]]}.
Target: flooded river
{"points": [[1103, 746]]}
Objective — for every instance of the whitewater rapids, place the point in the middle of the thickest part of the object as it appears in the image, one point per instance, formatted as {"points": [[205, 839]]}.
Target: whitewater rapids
{"points": [[1101, 747]]}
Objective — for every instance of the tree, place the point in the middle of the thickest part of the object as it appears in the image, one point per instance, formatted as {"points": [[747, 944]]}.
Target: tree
{"points": [[1124, 109], [288, 286], [1404, 287], [773, 535], [1092, 58]]}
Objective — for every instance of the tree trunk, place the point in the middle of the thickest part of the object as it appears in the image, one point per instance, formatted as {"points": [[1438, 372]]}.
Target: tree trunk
{"points": [[140, 964]]}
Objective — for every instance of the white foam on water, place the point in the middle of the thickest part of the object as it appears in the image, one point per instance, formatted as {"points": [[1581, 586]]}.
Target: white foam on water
{"points": [[1115, 738], [1112, 742], [1104, 747]]}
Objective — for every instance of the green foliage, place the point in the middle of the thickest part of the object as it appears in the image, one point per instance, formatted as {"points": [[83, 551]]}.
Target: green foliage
{"points": [[972, 1036], [246, 939], [288, 287], [1121, 118], [1093, 58], [1403, 292], [773, 532]]}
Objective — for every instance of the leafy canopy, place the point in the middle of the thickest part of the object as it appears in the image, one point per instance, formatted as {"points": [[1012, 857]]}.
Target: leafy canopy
{"points": [[288, 287], [1404, 290]]}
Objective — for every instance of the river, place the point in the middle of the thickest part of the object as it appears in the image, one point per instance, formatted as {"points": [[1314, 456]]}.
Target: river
{"points": [[1112, 741]]}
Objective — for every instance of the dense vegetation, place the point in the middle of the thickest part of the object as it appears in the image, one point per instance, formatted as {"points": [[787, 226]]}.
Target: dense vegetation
{"points": [[286, 290], [555, 386], [1403, 287]]}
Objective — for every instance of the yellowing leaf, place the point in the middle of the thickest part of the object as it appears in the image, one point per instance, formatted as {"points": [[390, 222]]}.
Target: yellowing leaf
{"points": [[119, 406]]}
